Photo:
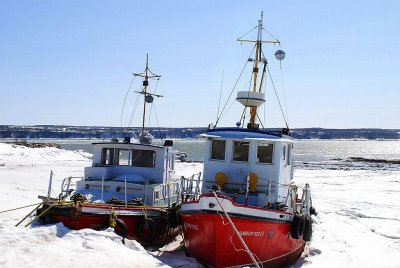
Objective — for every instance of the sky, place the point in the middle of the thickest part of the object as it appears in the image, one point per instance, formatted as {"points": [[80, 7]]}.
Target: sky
{"points": [[71, 62]]}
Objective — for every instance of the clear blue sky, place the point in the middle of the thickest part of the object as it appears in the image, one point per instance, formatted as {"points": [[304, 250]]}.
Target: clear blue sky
{"points": [[70, 62]]}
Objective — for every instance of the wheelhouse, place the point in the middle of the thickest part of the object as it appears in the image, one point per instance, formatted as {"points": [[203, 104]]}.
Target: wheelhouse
{"points": [[131, 171], [233, 154]]}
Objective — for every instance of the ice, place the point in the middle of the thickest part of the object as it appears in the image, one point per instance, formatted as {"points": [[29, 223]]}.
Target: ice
{"points": [[358, 224]]}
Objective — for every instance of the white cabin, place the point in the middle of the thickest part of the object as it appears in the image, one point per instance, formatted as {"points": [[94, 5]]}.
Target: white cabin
{"points": [[231, 154], [131, 171]]}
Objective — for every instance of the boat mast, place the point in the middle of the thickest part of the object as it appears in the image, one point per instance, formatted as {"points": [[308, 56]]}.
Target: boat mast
{"points": [[148, 97], [257, 59], [145, 84], [253, 99]]}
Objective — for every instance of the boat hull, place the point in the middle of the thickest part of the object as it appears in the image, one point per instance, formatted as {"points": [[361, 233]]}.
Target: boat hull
{"points": [[148, 226], [210, 238]]}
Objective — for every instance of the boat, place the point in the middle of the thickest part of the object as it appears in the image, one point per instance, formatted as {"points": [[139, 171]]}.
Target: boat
{"points": [[131, 186], [250, 213]]}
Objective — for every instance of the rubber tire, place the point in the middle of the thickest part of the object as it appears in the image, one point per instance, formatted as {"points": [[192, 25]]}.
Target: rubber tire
{"points": [[313, 211], [121, 228], [307, 235], [297, 226], [151, 227]]}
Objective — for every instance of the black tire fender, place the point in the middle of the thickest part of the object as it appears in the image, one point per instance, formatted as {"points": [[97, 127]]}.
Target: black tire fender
{"points": [[121, 229], [146, 230], [307, 235], [297, 226]]}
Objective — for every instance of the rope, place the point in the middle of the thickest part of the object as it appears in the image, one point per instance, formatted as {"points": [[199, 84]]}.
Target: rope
{"points": [[28, 214], [21, 207], [40, 215], [236, 231]]}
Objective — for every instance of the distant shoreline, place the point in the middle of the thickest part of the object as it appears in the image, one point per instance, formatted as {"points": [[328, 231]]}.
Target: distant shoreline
{"points": [[100, 133]]}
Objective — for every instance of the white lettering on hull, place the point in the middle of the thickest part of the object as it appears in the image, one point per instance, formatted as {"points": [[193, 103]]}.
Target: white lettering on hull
{"points": [[251, 233], [191, 226]]}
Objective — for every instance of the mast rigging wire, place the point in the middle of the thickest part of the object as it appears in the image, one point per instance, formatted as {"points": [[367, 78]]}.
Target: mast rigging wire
{"points": [[237, 81], [155, 113], [277, 97], [247, 33], [271, 35], [134, 109], [126, 96], [154, 93], [283, 89], [220, 92]]}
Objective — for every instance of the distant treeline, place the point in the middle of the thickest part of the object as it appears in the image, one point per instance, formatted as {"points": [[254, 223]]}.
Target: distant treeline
{"points": [[84, 132]]}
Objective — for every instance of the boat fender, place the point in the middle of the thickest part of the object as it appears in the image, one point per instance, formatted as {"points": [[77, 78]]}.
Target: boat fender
{"points": [[121, 229], [220, 179], [297, 226], [253, 180], [307, 229], [313, 211], [146, 230]]}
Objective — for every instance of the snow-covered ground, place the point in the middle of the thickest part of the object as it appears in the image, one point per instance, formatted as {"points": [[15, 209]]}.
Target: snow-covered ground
{"points": [[358, 220]]}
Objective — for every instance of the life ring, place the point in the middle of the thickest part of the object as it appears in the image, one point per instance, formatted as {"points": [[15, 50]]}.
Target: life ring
{"points": [[307, 229], [297, 226], [146, 230], [121, 229]]}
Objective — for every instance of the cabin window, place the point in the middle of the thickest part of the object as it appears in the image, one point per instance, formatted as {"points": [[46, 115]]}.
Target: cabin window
{"points": [[107, 156], [218, 150], [264, 153], [123, 157], [143, 158], [240, 151]]}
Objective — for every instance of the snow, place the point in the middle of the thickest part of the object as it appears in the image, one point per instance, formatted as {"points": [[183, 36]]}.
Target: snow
{"points": [[358, 220], [358, 224], [24, 174]]}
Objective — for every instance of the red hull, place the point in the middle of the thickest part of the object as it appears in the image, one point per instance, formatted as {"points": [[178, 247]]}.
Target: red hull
{"points": [[211, 240], [153, 231]]}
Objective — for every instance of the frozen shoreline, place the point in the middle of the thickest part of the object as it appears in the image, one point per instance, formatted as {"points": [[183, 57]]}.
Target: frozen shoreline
{"points": [[358, 221]]}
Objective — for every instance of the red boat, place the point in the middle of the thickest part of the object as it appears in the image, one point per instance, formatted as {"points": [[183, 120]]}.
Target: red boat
{"points": [[130, 187], [250, 212]]}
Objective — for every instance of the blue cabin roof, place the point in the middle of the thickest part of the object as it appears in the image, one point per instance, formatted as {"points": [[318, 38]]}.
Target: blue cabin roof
{"points": [[244, 133]]}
